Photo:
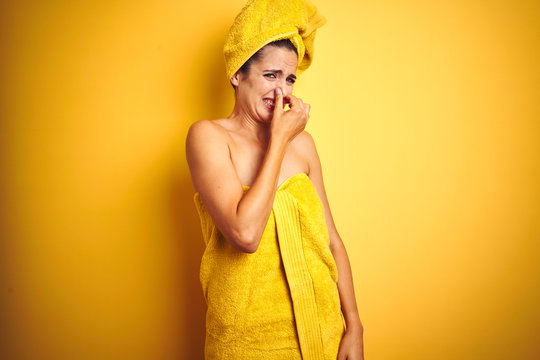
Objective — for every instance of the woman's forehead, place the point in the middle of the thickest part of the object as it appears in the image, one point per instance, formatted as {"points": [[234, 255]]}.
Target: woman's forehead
{"points": [[278, 59]]}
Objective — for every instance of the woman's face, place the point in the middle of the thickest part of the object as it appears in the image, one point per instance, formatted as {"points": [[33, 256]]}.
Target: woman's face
{"points": [[255, 91]]}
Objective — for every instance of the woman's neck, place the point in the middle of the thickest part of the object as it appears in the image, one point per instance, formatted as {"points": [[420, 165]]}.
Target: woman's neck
{"points": [[252, 128]]}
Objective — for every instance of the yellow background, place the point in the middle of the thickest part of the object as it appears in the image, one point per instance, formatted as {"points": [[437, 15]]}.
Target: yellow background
{"points": [[426, 118]]}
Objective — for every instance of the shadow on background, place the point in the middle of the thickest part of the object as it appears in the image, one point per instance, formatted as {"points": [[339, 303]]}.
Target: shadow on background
{"points": [[208, 94]]}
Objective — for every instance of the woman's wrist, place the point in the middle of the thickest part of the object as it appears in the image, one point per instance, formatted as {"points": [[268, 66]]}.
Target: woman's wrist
{"points": [[279, 140], [353, 323], [356, 328]]}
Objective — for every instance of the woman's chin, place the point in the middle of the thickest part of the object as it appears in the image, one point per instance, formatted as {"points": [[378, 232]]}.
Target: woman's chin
{"points": [[266, 115]]}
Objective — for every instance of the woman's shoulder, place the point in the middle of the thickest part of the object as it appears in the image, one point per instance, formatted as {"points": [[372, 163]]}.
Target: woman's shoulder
{"points": [[207, 130], [206, 136], [303, 142], [207, 125]]}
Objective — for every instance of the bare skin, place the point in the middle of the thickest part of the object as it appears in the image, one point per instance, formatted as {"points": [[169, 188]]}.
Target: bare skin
{"points": [[261, 146]]}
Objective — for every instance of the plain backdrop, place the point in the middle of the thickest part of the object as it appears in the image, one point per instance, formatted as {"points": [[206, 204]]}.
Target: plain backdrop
{"points": [[426, 120]]}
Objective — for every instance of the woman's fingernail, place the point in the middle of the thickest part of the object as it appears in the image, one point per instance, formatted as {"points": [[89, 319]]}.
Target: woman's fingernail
{"points": [[278, 91]]}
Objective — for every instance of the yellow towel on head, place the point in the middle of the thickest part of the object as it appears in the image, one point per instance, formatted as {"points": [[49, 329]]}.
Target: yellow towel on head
{"points": [[262, 21]]}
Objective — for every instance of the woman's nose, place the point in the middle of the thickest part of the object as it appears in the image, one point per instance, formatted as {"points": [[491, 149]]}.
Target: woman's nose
{"points": [[285, 90]]}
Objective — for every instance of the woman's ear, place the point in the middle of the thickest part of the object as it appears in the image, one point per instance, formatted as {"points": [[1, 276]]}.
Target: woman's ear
{"points": [[235, 79]]}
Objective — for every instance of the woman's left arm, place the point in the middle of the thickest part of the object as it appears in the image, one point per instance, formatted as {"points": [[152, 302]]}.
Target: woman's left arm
{"points": [[351, 347]]}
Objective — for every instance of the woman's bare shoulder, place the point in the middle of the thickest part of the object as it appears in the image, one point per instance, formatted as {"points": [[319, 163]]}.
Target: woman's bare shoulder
{"points": [[304, 137], [209, 127], [207, 145], [203, 132], [304, 143]]}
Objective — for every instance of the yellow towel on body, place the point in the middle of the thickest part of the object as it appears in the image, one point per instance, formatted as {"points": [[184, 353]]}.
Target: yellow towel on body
{"points": [[263, 21], [282, 301]]}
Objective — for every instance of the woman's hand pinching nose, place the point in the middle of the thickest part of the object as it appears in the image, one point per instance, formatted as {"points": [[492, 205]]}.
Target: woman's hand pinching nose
{"points": [[278, 100], [288, 124], [278, 93]]}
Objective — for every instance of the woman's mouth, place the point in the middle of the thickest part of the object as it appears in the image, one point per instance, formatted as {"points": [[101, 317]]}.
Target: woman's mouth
{"points": [[269, 103]]}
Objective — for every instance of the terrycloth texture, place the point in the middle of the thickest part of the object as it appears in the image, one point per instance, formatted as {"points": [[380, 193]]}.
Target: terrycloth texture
{"points": [[263, 21], [280, 302]]}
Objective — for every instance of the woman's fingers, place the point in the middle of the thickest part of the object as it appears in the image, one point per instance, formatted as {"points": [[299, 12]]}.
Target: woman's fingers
{"points": [[305, 107], [301, 106], [297, 104], [278, 100], [291, 122], [294, 101]]}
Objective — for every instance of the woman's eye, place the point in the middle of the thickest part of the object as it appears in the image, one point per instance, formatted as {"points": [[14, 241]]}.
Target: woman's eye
{"points": [[270, 75], [291, 80]]}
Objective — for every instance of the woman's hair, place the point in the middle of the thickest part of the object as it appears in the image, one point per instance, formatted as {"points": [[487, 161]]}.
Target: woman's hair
{"points": [[283, 43]]}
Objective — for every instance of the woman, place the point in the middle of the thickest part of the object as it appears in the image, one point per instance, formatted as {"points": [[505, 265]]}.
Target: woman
{"points": [[273, 255]]}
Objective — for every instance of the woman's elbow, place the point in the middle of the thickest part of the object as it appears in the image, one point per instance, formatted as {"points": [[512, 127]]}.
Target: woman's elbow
{"points": [[250, 248], [246, 241]]}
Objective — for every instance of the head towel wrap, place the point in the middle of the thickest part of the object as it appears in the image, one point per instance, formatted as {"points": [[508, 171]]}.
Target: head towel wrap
{"points": [[262, 21]]}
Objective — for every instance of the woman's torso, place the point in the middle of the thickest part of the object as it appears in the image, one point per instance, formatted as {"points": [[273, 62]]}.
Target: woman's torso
{"points": [[250, 310], [247, 154]]}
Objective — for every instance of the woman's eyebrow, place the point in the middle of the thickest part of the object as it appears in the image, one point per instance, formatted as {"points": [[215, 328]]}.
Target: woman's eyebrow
{"points": [[280, 72]]}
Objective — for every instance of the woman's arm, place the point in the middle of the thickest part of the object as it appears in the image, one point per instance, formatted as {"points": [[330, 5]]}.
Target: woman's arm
{"points": [[352, 342], [241, 218]]}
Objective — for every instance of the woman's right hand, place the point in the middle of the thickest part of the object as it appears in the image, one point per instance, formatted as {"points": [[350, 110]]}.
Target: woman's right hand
{"points": [[288, 124]]}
